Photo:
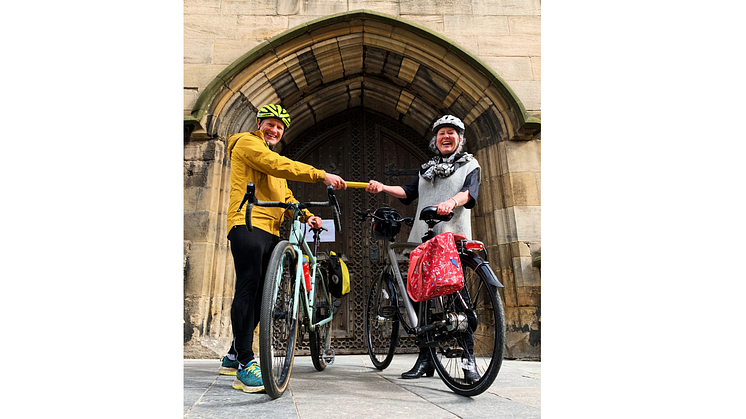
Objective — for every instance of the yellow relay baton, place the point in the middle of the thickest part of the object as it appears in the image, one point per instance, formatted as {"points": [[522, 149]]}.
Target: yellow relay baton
{"points": [[357, 184]]}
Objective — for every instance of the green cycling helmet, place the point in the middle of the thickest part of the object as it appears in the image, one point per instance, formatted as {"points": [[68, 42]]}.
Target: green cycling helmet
{"points": [[274, 111]]}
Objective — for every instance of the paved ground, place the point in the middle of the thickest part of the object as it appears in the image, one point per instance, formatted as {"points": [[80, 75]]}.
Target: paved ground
{"points": [[352, 387]]}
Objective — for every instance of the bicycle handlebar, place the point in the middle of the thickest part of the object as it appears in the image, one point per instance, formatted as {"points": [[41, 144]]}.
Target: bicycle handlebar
{"points": [[250, 199]]}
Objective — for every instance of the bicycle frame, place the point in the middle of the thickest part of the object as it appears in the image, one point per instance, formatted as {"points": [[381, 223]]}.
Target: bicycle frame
{"points": [[301, 247], [394, 267]]}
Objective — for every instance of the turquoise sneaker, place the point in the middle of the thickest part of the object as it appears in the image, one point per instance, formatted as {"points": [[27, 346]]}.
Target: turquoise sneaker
{"points": [[249, 379], [228, 367]]}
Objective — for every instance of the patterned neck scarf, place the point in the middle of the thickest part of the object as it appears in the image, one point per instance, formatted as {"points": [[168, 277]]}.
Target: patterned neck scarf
{"points": [[444, 166]]}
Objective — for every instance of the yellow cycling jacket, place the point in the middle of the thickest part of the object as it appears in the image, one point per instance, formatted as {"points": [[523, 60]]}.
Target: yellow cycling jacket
{"points": [[253, 161]]}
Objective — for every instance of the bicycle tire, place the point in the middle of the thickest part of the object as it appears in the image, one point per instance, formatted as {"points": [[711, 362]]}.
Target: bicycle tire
{"points": [[381, 328], [486, 336], [319, 340], [278, 324]]}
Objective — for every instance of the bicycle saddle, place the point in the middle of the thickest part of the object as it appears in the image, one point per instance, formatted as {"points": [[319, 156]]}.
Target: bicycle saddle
{"points": [[431, 213]]}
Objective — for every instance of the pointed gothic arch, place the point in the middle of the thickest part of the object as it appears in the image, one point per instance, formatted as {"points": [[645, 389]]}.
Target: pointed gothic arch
{"points": [[368, 59]]}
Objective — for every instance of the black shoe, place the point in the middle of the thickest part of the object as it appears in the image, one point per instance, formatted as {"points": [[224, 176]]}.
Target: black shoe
{"points": [[424, 365]]}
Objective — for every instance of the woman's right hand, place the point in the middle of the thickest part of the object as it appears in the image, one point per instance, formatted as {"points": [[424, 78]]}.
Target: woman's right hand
{"points": [[374, 187]]}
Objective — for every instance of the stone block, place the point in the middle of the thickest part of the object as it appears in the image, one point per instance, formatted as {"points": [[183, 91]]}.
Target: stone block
{"points": [[405, 100], [198, 272], [329, 60], [276, 70], [288, 7], [523, 272], [389, 7], [200, 198], [468, 43], [384, 43], [200, 226], [323, 7], [506, 7], [201, 7], [529, 92], [198, 76], [529, 25], [526, 223], [511, 68], [209, 27], [521, 189], [416, 7], [476, 25], [226, 51], [536, 68], [258, 8], [297, 20], [509, 45], [296, 71], [501, 222], [432, 22], [522, 156], [265, 27], [198, 51], [335, 30], [529, 297], [190, 98], [351, 50]]}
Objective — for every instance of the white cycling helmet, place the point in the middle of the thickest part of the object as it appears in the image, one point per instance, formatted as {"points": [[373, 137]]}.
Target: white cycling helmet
{"points": [[449, 120]]}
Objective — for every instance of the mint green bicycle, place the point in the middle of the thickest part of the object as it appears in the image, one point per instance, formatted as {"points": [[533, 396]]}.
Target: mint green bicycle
{"points": [[288, 300]]}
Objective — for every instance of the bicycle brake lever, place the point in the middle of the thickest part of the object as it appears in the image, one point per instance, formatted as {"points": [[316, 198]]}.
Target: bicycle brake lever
{"points": [[251, 199], [248, 196]]}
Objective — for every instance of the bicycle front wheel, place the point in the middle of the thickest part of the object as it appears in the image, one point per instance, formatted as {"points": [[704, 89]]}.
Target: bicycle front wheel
{"points": [[278, 324], [381, 322], [469, 358], [320, 339]]}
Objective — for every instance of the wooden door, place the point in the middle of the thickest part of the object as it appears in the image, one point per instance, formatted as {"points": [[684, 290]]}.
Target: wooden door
{"points": [[358, 145]]}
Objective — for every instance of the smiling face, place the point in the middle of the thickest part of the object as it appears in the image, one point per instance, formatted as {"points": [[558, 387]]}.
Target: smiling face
{"points": [[273, 129], [447, 140]]}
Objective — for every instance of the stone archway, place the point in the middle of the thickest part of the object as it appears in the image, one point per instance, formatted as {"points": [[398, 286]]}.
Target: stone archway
{"points": [[401, 70]]}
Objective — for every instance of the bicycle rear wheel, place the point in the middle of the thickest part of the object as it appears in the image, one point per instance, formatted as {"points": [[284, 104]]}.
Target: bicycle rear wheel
{"points": [[381, 322], [278, 324], [468, 361], [319, 340]]}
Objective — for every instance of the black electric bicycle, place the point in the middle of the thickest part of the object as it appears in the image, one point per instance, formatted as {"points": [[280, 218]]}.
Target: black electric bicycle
{"points": [[464, 331]]}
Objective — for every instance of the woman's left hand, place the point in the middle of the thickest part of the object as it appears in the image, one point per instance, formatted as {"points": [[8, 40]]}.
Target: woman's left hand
{"points": [[314, 222]]}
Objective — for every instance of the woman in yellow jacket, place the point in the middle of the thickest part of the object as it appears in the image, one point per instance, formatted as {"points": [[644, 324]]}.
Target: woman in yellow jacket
{"points": [[252, 160]]}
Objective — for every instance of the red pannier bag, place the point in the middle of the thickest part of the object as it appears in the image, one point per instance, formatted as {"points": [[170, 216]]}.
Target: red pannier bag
{"points": [[434, 269]]}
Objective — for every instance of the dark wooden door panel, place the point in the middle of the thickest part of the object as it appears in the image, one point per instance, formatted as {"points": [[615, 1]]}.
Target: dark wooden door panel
{"points": [[358, 145]]}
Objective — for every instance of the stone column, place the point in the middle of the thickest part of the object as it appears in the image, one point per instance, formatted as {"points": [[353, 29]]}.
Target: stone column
{"points": [[509, 212], [208, 267]]}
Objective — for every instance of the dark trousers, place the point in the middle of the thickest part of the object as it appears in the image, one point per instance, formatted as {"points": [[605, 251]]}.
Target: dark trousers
{"points": [[251, 252]]}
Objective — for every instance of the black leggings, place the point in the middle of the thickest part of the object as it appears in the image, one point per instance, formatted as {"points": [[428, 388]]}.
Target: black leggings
{"points": [[248, 249]]}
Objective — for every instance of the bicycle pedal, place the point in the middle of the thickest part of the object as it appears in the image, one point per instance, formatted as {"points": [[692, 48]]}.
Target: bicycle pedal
{"points": [[328, 356]]}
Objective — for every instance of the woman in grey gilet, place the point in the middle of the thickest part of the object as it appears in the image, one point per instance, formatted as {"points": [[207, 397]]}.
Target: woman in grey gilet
{"points": [[450, 181]]}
